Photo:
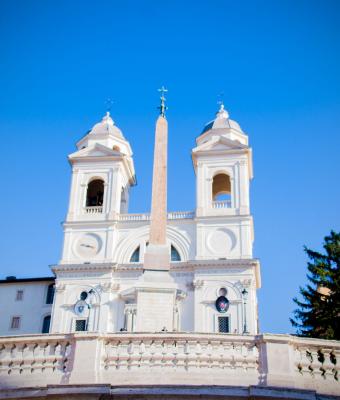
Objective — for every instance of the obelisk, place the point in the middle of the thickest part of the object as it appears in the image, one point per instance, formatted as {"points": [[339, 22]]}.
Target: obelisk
{"points": [[156, 290], [157, 255]]}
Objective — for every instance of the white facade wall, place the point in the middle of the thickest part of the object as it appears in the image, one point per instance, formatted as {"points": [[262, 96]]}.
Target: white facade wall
{"points": [[31, 309]]}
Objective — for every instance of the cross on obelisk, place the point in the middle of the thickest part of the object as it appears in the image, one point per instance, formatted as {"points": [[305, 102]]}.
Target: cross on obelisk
{"points": [[162, 108], [157, 256]]}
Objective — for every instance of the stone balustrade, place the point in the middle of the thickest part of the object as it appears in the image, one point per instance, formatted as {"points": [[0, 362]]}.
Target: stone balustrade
{"points": [[181, 215], [31, 359], [146, 216], [263, 362], [221, 204], [94, 210], [134, 217]]}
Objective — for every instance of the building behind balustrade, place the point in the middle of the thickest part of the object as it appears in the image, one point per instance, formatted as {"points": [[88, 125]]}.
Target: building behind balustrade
{"points": [[114, 323], [103, 252]]}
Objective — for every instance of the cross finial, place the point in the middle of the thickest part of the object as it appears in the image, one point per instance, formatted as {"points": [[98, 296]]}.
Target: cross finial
{"points": [[162, 108], [108, 103], [220, 101]]}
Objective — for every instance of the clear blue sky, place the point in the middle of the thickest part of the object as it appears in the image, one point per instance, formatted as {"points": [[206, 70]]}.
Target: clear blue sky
{"points": [[277, 63]]}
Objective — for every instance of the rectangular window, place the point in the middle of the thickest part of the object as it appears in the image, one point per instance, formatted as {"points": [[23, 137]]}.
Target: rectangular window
{"points": [[20, 295], [50, 294], [81, 325], [15, 323], [223, 324]]}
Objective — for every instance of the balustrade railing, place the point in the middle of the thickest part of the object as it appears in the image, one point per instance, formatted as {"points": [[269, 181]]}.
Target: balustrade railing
{"points": [[134, 217], [146, 216], [221, 204], [317, 362], [94, 210], [181, 215], [181, 352], [260, 361], [40, 355]]}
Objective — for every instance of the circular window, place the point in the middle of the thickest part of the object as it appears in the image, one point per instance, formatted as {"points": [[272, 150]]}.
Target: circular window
{"points": [[83, 295], [222, 304]]}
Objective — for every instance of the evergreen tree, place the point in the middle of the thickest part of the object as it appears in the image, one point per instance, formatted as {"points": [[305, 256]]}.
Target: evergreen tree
{"points": [[318, 314]]}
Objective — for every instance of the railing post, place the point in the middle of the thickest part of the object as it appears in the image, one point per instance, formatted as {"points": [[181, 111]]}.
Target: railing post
{"points": [[85, 358], [276, 360]]}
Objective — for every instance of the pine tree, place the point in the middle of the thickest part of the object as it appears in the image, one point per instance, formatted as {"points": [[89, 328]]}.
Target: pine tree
{"points": [[318, 314]]}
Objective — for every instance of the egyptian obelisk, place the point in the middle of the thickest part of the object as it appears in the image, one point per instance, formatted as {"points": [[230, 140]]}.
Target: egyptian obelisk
{"points": [[156, 290], [157, 256]]}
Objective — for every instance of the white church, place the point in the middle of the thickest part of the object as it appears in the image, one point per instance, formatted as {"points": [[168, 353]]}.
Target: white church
{"points": [[153, 304]]}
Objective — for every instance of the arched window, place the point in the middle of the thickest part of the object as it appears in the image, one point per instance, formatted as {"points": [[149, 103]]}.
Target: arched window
{"points": [[95, 193], [175, 254], [135, 255], [50, 294], [46, 324], [221, 187]]}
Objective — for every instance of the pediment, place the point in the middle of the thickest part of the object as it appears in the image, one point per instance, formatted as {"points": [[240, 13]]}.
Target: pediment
{"points": [[98, 150], [220, 144]]}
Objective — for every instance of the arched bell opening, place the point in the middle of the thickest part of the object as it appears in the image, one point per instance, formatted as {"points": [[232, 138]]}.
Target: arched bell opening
{"points": [[95, 193], [221, 191]]}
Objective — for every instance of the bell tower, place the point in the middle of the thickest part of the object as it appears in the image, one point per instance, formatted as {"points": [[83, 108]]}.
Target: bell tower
{"points": [[224, 228], [102, 174], [223, 166]]}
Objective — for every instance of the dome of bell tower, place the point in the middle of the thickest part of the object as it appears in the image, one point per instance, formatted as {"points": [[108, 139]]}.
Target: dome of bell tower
{"points": [[222, 121], [222, 125], [106, 126], [107, 134]]}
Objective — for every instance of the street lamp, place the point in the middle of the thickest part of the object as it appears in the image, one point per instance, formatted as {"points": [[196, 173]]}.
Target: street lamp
{"points": [[245, 297]]}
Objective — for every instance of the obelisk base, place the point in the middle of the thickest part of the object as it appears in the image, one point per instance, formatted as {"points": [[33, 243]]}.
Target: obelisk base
{"points": [[156, 297]]}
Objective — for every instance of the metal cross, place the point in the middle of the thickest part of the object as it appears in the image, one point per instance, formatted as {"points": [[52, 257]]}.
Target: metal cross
{"points": [[108, 103], [220, 99], [162, 108]]}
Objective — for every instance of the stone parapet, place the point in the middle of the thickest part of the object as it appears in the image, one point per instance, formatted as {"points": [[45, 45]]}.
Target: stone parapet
{"points": [[274, 364]]}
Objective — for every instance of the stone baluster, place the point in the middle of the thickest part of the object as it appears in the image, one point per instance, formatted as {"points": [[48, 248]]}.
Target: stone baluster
{"points": [[327, 365]]}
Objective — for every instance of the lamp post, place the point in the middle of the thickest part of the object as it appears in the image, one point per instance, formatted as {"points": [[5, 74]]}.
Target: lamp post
{"points": [[245, 297]]}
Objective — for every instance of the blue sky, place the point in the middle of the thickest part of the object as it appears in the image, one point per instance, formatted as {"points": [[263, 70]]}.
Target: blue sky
{"points": [[277, 63]]}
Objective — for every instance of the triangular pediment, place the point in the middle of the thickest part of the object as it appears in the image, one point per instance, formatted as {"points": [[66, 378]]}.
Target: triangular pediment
{"points": [[98, 150], [220, 144]]}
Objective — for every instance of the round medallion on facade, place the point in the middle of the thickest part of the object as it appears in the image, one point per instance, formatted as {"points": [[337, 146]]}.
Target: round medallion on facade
{"points": [[81, 308], [222, 304], [221, 242], [88, 246]]}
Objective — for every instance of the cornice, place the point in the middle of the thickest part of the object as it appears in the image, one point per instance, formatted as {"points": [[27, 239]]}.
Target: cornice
{"points": [[192, 266], [91, 267], [185, 266]]}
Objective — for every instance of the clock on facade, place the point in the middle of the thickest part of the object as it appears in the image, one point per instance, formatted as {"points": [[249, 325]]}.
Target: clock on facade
{"points": [[88, 245]]}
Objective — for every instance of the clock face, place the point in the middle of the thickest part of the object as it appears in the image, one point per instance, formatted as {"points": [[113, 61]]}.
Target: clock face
{"points": [[81, 308], [87, 246]]}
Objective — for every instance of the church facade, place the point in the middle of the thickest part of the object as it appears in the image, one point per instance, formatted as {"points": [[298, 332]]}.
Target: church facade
{"points": [[155, 305], [210, 247]]}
